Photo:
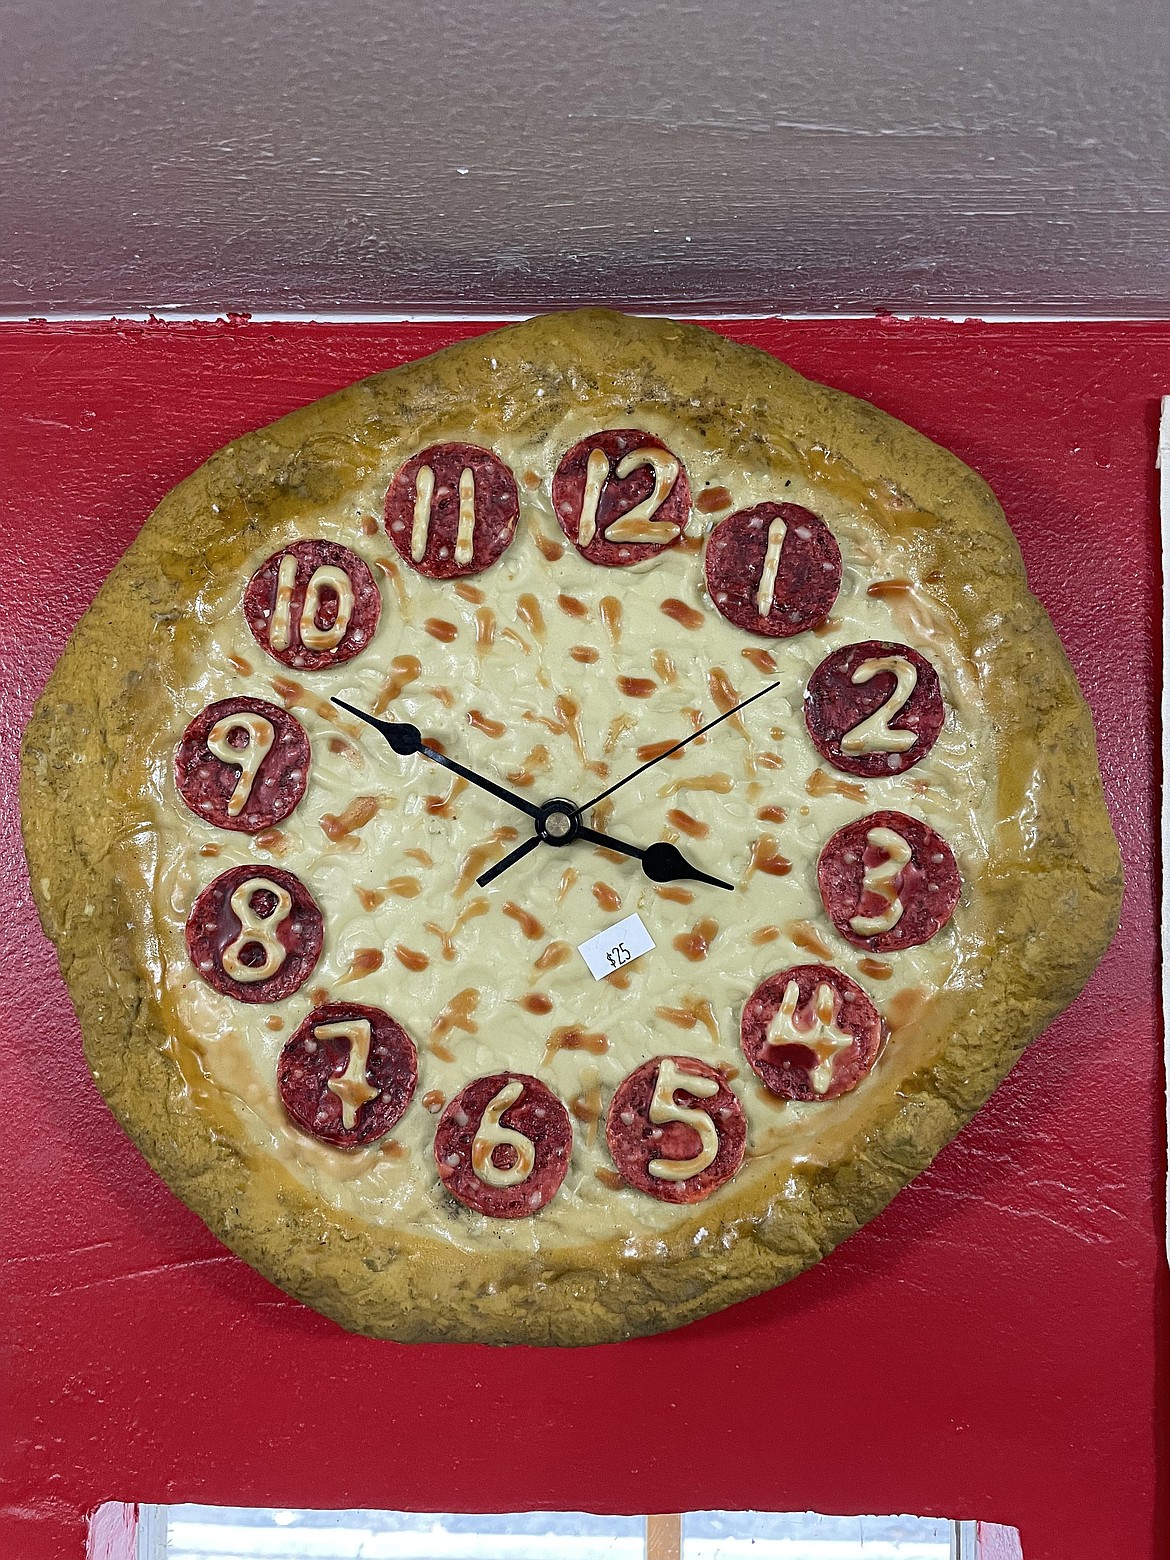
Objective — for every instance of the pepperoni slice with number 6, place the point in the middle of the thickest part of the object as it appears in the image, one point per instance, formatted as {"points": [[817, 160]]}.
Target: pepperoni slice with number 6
{"points": [[810, 1033], [255, 934], [774, 569], [621, 496], [348, 1074], [503, 1145], [313, 605], [888, 882], [874, 709], [243, 764], [452, 510], [675, 1130]]}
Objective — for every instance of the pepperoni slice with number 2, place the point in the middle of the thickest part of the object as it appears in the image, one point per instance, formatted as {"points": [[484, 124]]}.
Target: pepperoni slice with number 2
{"points": [[774, 569], [888, 882], [503, 1145], [255, 934], [243, 764], [810, 1033], [675, 1130], [621, 497], [313, 605], [452, 510], [874, 709], [348, 1073]]}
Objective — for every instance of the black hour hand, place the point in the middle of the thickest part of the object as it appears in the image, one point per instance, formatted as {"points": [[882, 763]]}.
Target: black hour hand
{"points": [[661, 862]]}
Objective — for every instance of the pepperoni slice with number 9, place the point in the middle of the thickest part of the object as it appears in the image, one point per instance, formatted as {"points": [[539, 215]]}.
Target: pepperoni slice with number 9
{"points": [[888, 882], [774, 569], [874, 709], [314, 604], [243, 764], [621, 497], [503, 1145], [810, 1033], [451, 510], [348, 1073], [255, 934], [675, 1130]]}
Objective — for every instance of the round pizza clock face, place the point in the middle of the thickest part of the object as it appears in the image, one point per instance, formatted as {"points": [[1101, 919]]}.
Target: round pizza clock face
{"points": [[565, 839]]}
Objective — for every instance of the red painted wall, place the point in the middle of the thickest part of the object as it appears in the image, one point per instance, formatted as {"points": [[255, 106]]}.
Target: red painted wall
{"points": [[993, 1346]]}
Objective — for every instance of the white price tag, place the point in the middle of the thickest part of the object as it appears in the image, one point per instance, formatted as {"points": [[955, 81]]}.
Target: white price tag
{"points": [[618, 945]]}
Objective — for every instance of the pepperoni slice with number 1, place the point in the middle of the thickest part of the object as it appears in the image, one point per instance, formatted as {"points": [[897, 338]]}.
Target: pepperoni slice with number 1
{"points": [[888, 882], [314, 604], [243, 764], [451, 510], [675, 1130], [874, 709], [503, 1144], [621, 497], [774, 569], [255, 934], [810, 1033], [348, 1073]]}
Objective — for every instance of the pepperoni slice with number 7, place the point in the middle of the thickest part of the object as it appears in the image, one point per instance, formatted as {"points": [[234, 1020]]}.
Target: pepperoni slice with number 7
{"points": [[621, 497], [503, 1145], [255, 934], [348, 1073], [675, 1130], [888, 882]]}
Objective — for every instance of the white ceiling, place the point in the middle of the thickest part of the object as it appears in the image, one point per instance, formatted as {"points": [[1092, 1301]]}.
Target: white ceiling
{"points": [[370, 154]]}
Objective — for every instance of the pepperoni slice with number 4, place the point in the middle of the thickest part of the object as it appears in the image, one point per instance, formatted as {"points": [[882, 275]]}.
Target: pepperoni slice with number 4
{"points": [[621, 496], [313, 605], [774, 569], [888, 882], [675, 1130], [348, 1074], [243, 764], [810, 1033], [452, 510], [503, 1144], [874, 709], [255, 934]]}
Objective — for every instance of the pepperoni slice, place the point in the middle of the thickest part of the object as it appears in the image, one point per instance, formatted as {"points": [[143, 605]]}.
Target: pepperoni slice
{"points": [[874, 709], [888, 882], [314, 604], [348, 1074], [243, 764], [503, 1144], [619, 506], [656, 1135], [810, 1033], [452, 510], [774, 569], [255, 934]]}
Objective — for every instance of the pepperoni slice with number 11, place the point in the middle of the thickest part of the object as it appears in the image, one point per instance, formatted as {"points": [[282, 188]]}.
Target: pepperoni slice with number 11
{"points": [[451, 510]]}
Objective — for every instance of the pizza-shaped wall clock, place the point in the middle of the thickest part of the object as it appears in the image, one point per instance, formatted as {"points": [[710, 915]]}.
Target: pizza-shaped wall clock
{"points": [[544, 843]]}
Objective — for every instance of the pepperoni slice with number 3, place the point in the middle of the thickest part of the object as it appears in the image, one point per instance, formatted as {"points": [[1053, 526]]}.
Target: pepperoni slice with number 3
{"points": [[243, 764], [452, 510], [255, 934], [348, 1073], [874, 709], [621, 497], [675, 1130], [810, 1033], [774, 569], [503, 1145], [313, 605], [888, 882]]}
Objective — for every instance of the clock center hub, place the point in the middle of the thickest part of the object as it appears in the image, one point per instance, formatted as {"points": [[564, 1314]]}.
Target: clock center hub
{"points": [[557, 822]]}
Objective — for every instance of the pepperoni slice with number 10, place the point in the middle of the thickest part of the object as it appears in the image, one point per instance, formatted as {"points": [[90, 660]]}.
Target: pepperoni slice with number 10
{"points": [[313, 605], [675, 1130], [621, 497]]}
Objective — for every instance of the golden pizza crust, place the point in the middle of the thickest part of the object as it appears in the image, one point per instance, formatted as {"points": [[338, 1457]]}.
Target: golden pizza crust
{"points": [[1047, 899]]}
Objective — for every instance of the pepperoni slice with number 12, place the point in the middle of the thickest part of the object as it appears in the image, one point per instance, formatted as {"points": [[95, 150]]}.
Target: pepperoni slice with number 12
{"points": [[621, 497]]}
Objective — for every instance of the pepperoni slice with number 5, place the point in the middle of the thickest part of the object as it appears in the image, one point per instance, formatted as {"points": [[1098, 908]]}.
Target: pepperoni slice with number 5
{"points": [[874, 709], [452, 510], [313, 605], [243, 764], [774, 569], [348, 1073], [810, 1033], [675, 1130], [621, 497], [503, 1145], [255, 934], [888, 882]]}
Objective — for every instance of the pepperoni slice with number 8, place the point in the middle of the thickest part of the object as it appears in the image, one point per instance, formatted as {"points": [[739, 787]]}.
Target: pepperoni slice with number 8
{"points": [[348, 1073], [503, 1145], [243, 764], [452, 510], [675, 1130], [774, 569], [810, 1033], [874, 709], [621, 497], [255, 934], [888, 882], [314, 604]]}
